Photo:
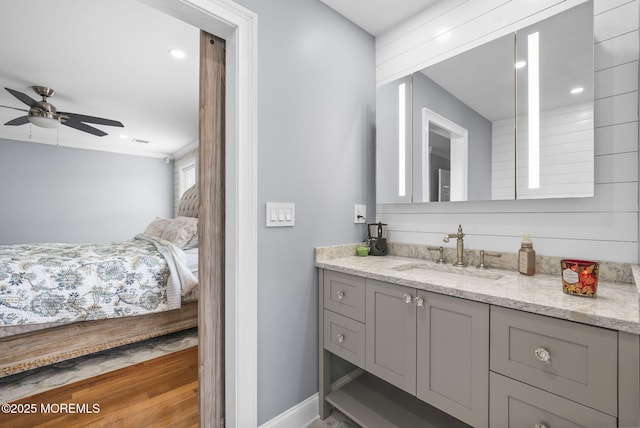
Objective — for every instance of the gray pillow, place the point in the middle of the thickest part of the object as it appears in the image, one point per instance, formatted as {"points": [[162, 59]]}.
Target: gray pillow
{"points": [[189, 204]]}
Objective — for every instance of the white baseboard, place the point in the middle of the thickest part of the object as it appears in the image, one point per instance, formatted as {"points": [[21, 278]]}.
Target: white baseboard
{"points": [[299, 416], [304, 414]]}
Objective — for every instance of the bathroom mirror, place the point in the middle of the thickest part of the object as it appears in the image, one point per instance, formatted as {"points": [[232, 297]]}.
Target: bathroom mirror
{"points": [[454, 132], [462, 107], [555, 142]]}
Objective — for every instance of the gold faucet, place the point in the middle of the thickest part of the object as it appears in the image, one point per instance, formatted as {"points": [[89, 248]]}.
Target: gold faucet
{"points": [[459, 246]]}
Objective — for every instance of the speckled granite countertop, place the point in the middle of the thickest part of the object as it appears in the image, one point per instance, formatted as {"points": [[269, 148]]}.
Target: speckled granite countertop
{"points": [[616, 305]]}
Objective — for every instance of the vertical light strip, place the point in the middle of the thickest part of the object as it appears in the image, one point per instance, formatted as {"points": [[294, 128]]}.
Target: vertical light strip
{"points": [[401, 140], [534, 110]]}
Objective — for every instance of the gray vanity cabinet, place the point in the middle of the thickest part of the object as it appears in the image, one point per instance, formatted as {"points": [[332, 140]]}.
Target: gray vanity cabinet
{"points": [[451, 362], [433, 346]]}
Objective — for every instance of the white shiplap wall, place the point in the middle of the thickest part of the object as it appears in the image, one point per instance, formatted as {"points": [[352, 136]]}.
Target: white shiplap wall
{"points": [[604, 227], [503, 170], [566, 153]]}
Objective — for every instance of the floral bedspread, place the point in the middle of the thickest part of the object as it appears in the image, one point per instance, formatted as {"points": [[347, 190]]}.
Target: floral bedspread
{"points": [[63, 283]]}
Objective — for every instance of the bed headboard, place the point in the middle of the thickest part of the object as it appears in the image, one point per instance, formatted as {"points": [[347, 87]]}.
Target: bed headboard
{"points": [[189, 204]]}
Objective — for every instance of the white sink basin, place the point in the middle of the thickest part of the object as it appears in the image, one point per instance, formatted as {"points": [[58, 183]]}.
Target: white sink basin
{"points": [[449, 272]]}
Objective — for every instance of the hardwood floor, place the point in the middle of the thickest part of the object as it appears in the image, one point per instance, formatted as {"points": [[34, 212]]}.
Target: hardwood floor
{"points": [[161, 392]]}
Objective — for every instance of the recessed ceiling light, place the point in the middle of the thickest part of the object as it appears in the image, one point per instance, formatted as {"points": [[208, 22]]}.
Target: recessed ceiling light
{"points": [[124, 136], [177, 53], [521, 64], [577, 90]]}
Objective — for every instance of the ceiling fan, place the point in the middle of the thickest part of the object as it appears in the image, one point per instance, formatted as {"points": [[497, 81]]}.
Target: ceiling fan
{"points": [[44, 114]]}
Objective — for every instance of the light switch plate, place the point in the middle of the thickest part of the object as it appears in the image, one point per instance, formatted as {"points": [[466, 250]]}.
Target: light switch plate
{"points": [[281, 214]]}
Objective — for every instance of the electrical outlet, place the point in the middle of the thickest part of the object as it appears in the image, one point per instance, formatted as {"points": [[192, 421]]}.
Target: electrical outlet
{"points": [[359, 213]]}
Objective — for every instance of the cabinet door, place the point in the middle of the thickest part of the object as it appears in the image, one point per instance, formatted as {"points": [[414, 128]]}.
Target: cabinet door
{"points": [[453, 356], [391, 334], [515, 404]]}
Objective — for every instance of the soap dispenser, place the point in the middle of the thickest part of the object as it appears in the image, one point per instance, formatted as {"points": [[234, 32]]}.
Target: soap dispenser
{"points": [[526, 257]]}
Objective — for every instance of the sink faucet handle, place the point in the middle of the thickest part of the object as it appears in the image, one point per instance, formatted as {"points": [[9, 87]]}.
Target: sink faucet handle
{"points": [[486, 253], [440, 251]]}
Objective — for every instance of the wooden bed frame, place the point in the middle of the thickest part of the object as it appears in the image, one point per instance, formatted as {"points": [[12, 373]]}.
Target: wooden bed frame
{"points": [[43, 347]]}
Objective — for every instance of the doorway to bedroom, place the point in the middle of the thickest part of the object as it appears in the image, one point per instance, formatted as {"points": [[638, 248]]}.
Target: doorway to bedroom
{"points": [[213, 13], [238, 27]]}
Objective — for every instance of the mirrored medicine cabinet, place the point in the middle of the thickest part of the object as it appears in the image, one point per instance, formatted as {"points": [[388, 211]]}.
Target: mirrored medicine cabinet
{"points": [[510, 119]]}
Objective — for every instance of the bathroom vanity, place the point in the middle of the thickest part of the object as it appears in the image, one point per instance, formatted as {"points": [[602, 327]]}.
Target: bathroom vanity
{"points": [[446, 346]]}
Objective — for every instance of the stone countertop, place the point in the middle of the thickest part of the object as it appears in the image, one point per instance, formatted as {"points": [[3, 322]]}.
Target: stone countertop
{"points": [[616, 305]]}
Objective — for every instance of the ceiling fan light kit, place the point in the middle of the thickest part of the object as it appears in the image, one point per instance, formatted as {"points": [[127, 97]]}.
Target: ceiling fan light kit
{"points": [[45, 115], [43, 120]]}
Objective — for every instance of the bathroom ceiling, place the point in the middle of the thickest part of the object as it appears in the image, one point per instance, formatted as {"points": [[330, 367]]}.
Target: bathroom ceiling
{"points": [[377, 16], [103, 58], [562, 71]]}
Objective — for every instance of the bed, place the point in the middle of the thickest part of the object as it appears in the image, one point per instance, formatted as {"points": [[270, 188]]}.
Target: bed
{"points": [[61, 301]]}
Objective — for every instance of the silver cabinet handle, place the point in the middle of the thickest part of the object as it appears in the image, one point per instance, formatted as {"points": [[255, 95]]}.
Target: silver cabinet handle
{"points": [[406, 298], [419, 302], [542, 355], [541, 425], [340, 295], [340, 337]]}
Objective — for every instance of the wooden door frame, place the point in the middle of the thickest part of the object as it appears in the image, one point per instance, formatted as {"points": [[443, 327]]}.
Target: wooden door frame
{"points": [[238, 27]]}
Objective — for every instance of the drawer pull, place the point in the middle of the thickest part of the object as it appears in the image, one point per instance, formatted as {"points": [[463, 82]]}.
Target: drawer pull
{"points": [[340, 295], [406, 298], [541, 425], [340, 337], [544, 356], [419, 302]]}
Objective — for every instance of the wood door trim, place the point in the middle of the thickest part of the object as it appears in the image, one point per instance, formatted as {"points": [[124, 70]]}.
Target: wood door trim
{"points": [[212, 230]]}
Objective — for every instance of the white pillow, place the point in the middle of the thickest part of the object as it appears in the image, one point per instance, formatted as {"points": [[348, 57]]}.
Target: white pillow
{"points": [[180, 231], [157, 227]]}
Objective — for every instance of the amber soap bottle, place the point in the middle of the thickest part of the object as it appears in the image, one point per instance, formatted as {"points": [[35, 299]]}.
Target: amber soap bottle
{"points": [[526, 257]]}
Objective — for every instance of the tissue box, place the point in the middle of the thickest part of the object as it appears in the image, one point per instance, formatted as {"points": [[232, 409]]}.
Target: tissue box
{"points": [[579, 277]]}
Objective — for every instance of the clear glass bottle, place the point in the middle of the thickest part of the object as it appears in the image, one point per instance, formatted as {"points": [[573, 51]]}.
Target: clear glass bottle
{"points": [[526, 257]]}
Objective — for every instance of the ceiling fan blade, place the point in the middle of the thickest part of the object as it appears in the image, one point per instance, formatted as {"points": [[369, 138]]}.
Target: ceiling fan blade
{"points": [[92, 119], [18, 121], [24, 98], [72, 123], [14, 108]]}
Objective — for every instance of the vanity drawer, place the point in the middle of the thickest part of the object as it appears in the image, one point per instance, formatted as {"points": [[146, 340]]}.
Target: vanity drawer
{"points": [[344, 337], [573, 360], [344, 294], [514, 404]]}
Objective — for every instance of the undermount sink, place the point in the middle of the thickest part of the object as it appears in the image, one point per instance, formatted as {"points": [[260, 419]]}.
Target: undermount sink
{"points": [[432, 270]]}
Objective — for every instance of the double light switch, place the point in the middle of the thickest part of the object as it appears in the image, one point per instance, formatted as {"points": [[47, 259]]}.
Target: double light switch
{"points": [[280, 214]]}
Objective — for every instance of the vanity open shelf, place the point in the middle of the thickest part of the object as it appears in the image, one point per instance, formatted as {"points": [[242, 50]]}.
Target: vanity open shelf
{"points": [[371, 402]]}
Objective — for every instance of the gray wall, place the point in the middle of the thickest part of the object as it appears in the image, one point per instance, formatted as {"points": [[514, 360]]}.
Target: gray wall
{"points": [[426, 93], [316, 98], [62, 194]]}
